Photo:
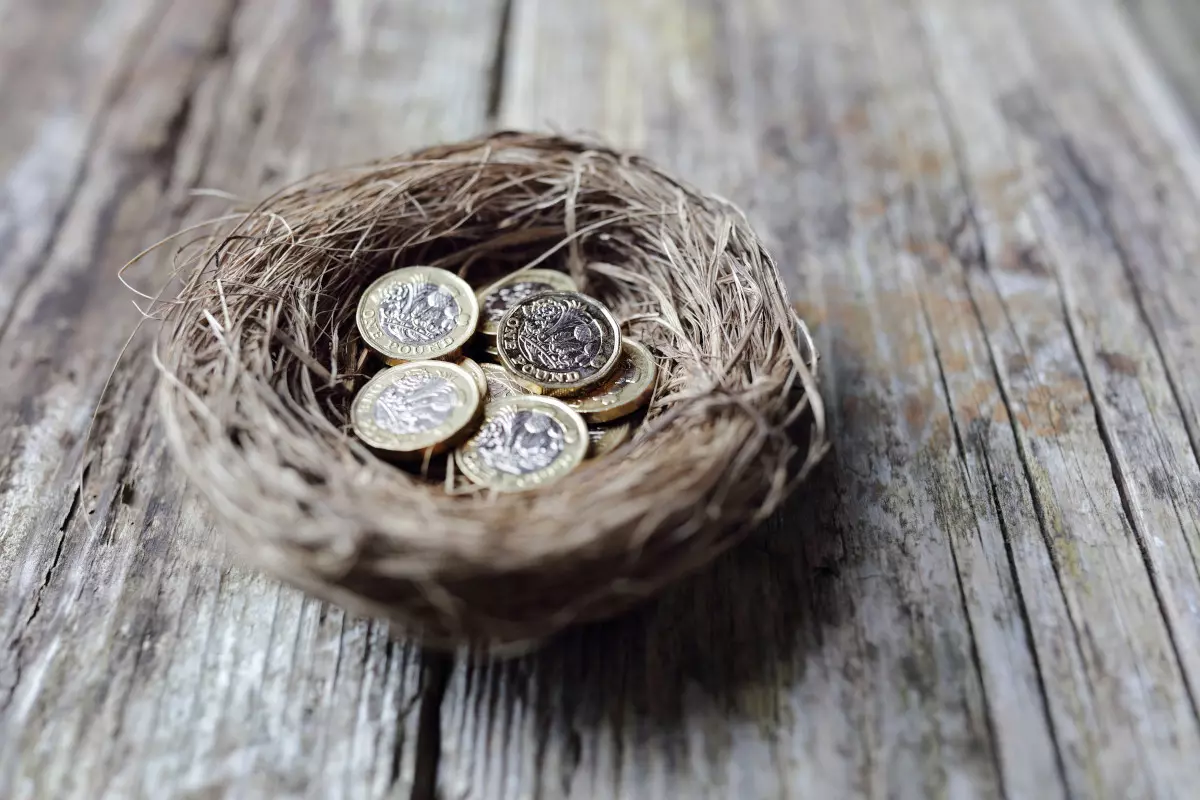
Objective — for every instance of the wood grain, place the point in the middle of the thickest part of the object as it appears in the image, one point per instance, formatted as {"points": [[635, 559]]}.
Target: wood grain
{"points": [[992, 588], [136, 661], [989, 596]]}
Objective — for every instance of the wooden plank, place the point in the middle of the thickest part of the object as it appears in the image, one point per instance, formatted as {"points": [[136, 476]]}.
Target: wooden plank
{"points": [[991, 590], [51, 121], [901, 183], [43, 144], [1139, 636], [136, 661], [864, 681], [1028, 276], [987, 596]]}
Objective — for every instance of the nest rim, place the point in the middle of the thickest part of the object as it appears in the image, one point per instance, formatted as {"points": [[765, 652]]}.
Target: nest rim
{"points": [[259, 363]]}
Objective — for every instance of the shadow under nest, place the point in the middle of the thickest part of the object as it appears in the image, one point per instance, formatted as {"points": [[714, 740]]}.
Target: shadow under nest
{"points": [[261, 359]]}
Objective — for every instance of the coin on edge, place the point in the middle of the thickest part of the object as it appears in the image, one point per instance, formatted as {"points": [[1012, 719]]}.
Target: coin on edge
{"points": [[501, 383], [524, 442], [472, 366], [603, 439], [502, 295], [490, 352], [565, 342], [626, 390], [415, 407], [417, 313]]}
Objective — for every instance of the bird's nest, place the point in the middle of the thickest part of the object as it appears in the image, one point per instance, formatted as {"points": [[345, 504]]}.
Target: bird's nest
{"points": [[261, 359]]}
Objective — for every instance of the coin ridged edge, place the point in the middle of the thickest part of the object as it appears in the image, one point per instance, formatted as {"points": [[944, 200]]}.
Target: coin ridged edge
{"points": [[643, 356], [621, 428], [473, 367]]}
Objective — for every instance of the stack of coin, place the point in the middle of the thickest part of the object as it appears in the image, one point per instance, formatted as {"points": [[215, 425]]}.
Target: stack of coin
{"points": [[498, 298], [561, 389]]}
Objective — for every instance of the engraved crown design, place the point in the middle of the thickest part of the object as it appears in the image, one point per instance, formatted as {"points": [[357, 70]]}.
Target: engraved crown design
{"points": [[558, 335]]}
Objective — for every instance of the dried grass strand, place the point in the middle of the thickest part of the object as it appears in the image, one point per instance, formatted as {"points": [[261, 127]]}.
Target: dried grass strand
{"points": [[261, 360]]}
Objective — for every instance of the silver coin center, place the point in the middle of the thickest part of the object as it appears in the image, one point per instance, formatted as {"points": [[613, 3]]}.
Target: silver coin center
{"points": [[508, 295], [418, 402], [417, 313], [520, 441], [559, 336]]}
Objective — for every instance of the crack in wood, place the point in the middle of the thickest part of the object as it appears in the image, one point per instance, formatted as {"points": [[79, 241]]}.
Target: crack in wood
{"points": [[1026, 622], [1120, 480], [499, 66], [18, 641], [304, 720], [961, 452], [435, 677]]}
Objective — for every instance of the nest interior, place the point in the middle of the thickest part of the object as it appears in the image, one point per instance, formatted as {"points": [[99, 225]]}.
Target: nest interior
{"points": [[261, 360]]}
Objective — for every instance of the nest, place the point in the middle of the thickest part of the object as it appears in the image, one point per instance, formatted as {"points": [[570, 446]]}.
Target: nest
{"points": [[261, 360]]}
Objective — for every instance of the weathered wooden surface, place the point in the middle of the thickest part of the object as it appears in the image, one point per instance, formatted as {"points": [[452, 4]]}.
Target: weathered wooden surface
{"points": [[991, 590], [134, 662]]}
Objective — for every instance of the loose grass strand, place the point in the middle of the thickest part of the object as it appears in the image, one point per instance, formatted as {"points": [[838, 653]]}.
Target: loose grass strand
{"points": [[261, 361]]}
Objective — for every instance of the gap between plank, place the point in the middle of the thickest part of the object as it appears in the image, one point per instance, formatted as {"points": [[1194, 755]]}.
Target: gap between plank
{"points": [[1119, 479], [435, 677], [964, 473], [971, 219], [499, 65], [1090, 195]]}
